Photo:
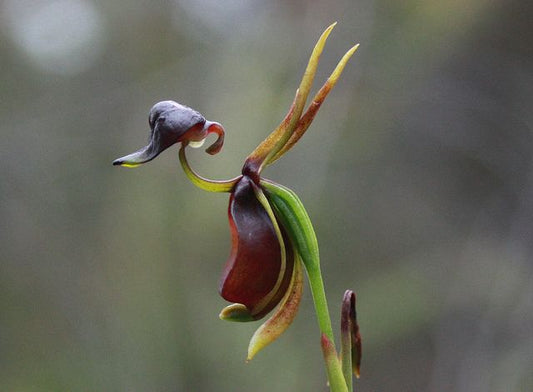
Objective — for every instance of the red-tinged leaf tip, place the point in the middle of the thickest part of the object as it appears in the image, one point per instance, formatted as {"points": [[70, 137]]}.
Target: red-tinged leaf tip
{"points": [[327, 345], [335, 375]]}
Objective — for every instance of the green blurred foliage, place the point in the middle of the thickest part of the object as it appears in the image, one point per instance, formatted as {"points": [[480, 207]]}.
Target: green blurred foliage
{"points": [[417, 174]]}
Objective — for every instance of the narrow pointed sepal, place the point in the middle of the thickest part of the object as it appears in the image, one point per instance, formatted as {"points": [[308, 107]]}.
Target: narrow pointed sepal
{"points": [[307, 118], [283, 317], [351, 347], [277, 139], [236, 312]]}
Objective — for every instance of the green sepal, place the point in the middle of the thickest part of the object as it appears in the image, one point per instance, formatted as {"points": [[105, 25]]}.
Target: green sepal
{"points": [[295, 219], [292, 214]]}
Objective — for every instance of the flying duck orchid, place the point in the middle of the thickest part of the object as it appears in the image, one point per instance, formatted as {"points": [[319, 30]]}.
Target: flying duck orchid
{"points": [[272, 238]]}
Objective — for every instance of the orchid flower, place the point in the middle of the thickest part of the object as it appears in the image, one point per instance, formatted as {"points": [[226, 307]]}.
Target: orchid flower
{"points": [[272, 238]]}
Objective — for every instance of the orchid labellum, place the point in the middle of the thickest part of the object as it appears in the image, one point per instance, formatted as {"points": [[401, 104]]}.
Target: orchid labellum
{"points": [[272, 238]]}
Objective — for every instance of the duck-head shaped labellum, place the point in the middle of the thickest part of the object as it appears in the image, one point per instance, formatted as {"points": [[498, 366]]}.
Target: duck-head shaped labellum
{"points": [[259, 269], [171, 123]]}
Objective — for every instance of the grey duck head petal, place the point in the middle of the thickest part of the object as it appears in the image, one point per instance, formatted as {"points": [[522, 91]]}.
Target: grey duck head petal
{"points": [[170, 123]]}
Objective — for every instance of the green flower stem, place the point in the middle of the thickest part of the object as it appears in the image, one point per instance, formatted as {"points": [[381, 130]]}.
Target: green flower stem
{"points": [[321, 305], [335, 376], [294, 217]]}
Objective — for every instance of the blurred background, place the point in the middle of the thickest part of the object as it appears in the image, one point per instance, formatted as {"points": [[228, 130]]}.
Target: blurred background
{"points": [[417, 173]]}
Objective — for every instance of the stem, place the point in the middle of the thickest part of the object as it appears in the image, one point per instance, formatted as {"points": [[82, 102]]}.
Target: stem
{"points": [[293, 215], [321, 305], [333, 365], [335, 377]]}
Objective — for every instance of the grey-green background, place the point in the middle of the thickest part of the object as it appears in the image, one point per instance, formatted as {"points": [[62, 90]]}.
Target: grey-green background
{"points": [[417, 174]]}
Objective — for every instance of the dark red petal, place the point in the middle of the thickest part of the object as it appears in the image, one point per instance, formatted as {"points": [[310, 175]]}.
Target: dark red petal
{"points": [[260, 313], [255, 262]]}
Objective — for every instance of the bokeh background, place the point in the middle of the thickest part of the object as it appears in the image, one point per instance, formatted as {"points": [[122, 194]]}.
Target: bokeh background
{"points": [[417, 174]]}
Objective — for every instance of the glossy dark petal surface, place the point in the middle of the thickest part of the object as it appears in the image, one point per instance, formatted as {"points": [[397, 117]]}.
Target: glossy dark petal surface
{"points": [[255, 262]]}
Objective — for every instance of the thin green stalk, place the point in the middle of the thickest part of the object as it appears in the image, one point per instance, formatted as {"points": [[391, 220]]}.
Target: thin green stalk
{"points": [[335, 376], [321, 305], [295, 219]]}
